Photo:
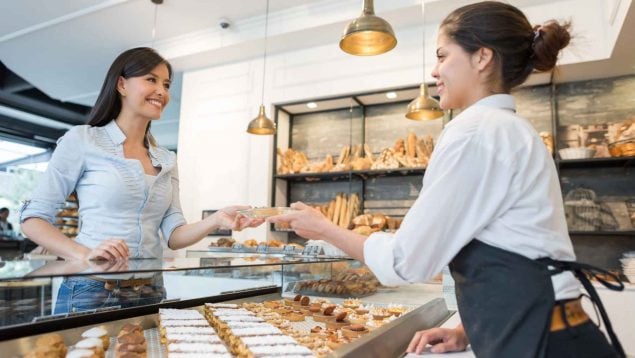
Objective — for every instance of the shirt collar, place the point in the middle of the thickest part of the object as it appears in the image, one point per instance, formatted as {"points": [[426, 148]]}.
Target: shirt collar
{"points": [[116, 134], [502, 101], [118, 137]]}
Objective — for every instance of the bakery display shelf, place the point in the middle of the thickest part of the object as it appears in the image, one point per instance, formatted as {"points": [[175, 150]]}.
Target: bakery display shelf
{"points": [[65, 225], [613, 162], [28, 269], [387, 340], [628, 233], [363, 174]]}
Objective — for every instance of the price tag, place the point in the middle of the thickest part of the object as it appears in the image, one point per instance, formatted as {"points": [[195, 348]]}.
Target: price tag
{"points": [[262, 248], [237, 246], [312, 250], [109, 308], [172, 300], [48, 318], [289, 249]]}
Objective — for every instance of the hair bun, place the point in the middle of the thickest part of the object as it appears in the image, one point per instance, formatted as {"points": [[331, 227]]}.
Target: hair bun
{"points": [[552, 38]]}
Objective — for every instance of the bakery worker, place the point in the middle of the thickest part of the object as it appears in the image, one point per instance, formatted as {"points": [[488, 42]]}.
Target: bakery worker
{"points": [[490, 205], [127, 185], [4, 224]]}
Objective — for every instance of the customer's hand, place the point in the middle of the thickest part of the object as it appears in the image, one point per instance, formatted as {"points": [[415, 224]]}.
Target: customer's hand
{"points": [[229, 219], [442, 340], [305, 221], [109, 250]]}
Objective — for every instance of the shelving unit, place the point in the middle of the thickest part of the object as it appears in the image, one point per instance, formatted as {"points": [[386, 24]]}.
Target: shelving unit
{"points": [[372, 118], [67, 218]]}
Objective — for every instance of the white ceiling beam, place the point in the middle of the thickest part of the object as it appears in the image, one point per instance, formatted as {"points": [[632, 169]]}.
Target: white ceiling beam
{"points": [[61, 19]]}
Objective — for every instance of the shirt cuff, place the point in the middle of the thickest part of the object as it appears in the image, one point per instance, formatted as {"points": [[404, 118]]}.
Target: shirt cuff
{"points": [[379, 257], [36, 209], [170, 223]]}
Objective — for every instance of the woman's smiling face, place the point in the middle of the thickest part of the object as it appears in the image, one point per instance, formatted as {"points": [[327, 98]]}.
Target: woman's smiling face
{"points": [[456, 75]]}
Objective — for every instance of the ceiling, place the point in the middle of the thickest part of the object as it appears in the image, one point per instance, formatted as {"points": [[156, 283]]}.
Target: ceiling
{"points": [[56, 53]]}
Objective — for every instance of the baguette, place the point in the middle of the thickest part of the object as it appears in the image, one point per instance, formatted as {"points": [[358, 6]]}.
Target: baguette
{"points": [[331, 210], [336, 211], [328, 163], [343, 208], [412, 143]]}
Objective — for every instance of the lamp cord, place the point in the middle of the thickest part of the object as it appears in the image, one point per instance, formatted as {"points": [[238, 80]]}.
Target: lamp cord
{"points": [[264, 59], [154, 25], [423, 41]]}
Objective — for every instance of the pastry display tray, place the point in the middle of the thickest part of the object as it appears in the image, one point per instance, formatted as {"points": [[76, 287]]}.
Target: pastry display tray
{"points": [[386, 341]]}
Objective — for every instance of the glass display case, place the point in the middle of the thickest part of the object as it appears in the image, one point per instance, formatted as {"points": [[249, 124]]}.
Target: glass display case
{"points": [[42, 298]]}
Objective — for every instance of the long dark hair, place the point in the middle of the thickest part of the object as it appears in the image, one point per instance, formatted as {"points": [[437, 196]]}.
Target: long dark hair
{"points": [[131, 63], [518, 47]]}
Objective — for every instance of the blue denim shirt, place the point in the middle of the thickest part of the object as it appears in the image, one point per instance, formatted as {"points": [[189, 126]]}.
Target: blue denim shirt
{"points": [[114, 199]]}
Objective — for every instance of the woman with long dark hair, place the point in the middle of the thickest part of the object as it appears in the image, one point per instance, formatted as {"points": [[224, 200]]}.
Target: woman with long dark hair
{"points": [[127, 186], [490, 205]]}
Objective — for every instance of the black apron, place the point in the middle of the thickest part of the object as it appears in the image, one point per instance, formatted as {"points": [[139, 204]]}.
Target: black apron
{"points": [[506, 300]]}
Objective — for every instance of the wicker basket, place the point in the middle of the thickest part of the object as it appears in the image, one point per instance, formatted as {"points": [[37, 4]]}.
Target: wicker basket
{"points": [[582, 211], [623, 148]]}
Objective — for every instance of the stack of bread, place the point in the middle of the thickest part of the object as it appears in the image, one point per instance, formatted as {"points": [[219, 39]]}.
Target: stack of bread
{"points": [[367, 224], [412, 152], [621, 138], [223, 242], [342, 209], [547, 139]]}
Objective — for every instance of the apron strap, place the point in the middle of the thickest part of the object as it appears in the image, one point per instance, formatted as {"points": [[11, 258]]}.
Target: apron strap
{"points": [[582, 271]]}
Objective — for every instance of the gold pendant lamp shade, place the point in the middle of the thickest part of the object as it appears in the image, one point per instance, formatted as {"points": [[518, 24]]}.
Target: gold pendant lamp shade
{"points": [[261, 124], [368, 34], [424, 106]]}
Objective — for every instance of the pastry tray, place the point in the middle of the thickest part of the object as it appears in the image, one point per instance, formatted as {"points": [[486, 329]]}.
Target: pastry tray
{"points": [[386, 340]]}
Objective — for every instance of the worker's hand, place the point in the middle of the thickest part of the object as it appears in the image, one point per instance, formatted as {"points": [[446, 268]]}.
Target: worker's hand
{"points": [[109, 250], [305, 221], [441, 340]]}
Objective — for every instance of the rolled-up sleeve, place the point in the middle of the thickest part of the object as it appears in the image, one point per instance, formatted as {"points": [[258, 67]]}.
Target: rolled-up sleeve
{"points": [[462, 191], [59, 180], [173, 217]]}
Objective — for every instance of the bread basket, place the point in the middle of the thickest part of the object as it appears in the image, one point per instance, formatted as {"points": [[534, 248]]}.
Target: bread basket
{"points": [[576, 153]]}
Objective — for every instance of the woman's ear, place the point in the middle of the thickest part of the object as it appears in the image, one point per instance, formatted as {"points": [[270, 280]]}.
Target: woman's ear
{"points": [[121, 86], [483, 58]]}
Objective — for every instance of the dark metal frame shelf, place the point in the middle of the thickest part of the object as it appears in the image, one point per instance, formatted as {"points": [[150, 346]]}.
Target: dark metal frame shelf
{"points": [[363, 174], [616, 162]]}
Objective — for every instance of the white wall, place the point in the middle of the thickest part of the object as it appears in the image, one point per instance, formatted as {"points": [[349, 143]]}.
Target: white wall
{"points": [[219, 163]]}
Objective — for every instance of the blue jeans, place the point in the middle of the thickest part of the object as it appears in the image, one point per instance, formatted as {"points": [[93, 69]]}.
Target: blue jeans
{"points": [[78, 294]]}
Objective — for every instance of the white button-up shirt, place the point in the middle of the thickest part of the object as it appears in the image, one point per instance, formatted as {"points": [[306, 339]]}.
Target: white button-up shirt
{"points": [[115, 199], [490, 178]]}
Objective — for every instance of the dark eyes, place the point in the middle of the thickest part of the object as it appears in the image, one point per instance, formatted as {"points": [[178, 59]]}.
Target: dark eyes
{"points": [[154, 80]]}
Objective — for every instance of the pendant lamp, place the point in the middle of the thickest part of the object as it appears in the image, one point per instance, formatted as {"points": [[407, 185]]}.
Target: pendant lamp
{"points": [[262, 125], [368, 34], [424, 106]]}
